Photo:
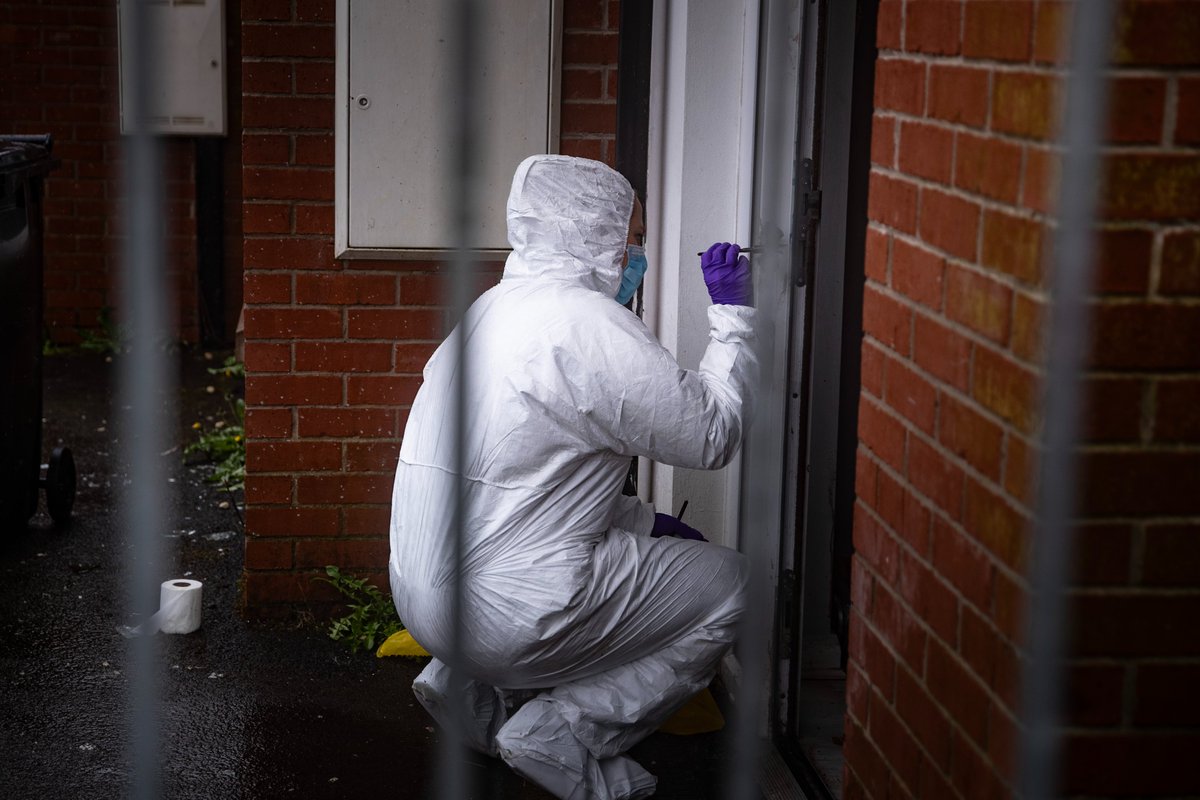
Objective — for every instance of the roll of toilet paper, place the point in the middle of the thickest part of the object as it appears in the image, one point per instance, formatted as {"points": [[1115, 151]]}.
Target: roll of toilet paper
{"points": [[179, 606]]}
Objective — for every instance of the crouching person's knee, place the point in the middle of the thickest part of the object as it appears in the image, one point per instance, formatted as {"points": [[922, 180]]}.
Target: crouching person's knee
{"points": [[734, 578]]}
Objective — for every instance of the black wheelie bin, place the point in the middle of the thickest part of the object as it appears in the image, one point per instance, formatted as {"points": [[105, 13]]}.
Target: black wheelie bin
{"points": [[24, 163]]}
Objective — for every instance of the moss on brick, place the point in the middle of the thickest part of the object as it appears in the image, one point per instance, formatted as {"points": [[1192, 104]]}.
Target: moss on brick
{"points": [[1153, 186]]}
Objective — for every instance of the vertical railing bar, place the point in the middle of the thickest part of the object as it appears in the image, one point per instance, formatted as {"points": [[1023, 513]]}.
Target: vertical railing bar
{"points": [[753, 630], [1068, 336], [757, 514], [463, 118], [143, 390]]}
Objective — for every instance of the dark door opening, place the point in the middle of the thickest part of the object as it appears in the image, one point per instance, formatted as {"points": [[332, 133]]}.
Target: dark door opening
{"points": [[831, 206]]}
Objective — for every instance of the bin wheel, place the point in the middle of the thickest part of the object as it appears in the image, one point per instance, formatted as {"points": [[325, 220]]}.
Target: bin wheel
{"points": [[60, 485]]}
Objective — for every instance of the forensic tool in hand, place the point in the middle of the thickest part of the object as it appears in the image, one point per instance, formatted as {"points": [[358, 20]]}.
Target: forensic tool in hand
{"points": [[745, 251]]}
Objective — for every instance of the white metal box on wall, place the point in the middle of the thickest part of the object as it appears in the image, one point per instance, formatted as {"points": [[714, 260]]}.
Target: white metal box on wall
{"points": [[187, 51], [392, 142]]}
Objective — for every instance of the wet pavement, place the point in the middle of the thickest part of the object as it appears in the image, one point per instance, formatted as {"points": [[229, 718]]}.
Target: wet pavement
{"points": [[246, 710]]}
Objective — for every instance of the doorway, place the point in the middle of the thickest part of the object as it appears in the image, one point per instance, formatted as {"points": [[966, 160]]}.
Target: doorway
{"points": [[832, 157], [758, 131]]}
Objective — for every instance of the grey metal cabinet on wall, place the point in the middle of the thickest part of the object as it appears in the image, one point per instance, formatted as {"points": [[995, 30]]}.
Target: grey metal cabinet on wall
{"points": [[394, 65], [185, 93]]}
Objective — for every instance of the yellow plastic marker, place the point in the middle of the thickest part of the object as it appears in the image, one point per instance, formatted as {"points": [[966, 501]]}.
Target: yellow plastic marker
{"points": [[699, 715], [401, 644]]}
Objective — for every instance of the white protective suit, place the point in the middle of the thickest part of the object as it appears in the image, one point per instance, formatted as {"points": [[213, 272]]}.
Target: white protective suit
{"points": [[564, 589]]}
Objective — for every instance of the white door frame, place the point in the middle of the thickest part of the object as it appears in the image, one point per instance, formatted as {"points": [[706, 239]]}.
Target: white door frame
{"points": [[724, 94], [703, 79]]}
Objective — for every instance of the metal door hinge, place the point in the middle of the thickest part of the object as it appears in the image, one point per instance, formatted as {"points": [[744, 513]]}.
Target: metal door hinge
{"points": [[808, 214]]}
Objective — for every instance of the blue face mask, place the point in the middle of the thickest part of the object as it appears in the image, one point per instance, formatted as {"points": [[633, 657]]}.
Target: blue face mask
{"points": [[635, 270]]}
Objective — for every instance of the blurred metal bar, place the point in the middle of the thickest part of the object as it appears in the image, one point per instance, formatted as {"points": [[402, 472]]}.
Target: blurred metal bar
{"points": [[760, 502], [463, 122], [144, 393], [750, 712], [1068, 337]]}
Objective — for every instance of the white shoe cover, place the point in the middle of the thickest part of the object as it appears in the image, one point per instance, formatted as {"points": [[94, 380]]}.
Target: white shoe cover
{"points": [[537, 743], [485, 710]]}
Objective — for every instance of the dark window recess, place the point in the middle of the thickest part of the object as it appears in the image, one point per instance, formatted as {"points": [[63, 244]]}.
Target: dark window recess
{"points": [[210, 239], [633, 122]]}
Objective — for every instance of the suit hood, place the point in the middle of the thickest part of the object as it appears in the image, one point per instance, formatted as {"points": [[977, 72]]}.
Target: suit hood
{"points": [[568, 220]]}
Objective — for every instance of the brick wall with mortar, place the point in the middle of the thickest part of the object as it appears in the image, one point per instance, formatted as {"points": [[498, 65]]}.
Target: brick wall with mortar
{"points": [[60, 76], [334, 349], [962, 194]]}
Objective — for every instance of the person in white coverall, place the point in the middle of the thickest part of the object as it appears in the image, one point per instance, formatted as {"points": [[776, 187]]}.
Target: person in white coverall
{"points": [[569, 590]]}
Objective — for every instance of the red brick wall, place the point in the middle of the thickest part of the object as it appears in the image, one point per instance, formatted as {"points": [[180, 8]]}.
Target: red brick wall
{"points": [[59, 67], [961, 213], [1136, 645], [334, 349]]}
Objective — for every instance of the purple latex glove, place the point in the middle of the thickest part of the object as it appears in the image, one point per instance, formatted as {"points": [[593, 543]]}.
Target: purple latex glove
{"points": [[666, 525], [727, 275]]}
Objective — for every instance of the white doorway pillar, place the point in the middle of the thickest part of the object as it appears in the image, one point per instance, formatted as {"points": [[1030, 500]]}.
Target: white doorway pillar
{"points": [[699, 191]]}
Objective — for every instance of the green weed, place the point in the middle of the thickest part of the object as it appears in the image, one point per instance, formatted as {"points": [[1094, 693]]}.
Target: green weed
{"points": [[225, 443], [372, 617], [232, 368], [52, 348], [225, 446], [108, 339]]}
